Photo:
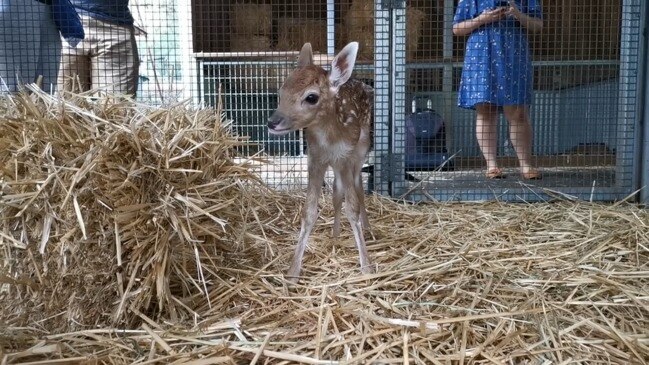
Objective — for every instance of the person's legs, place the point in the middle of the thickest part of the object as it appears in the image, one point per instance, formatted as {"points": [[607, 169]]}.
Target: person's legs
{"points": [[487, 135], [30, 44], [74, 73], [520, 133], [116, 63], [49, 56]]}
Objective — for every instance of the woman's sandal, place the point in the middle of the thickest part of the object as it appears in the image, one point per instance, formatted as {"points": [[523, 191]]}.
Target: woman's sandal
{"points": [[531, 175], [495, 174]]}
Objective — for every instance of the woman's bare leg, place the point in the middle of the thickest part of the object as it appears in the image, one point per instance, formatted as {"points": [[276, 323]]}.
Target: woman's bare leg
{"points": [[520, 133], [487, 133]]}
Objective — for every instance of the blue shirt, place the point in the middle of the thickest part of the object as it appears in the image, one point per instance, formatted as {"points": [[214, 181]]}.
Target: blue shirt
{"points": [[112, 11]]}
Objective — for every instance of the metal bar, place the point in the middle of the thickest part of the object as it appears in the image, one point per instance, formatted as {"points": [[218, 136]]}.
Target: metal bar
{"points": [[246, 54], [331, 22], [448, 66], [627, 113], [643, 144], [442, 64], [381, 155], [200, 81], [398, 97], [190, 73], [357, 67], [528, 194]]}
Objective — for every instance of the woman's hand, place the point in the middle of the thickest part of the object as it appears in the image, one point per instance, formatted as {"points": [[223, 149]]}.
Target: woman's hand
{"points": [[530, 23], [492, 16], [486, 17], [514, 11]]}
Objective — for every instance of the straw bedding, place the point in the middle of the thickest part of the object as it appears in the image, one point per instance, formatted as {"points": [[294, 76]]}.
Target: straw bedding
{"points": [[128, 234]]}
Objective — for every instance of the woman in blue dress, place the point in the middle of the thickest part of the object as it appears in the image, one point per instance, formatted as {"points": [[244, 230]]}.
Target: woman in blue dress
{"points": [[497, 73]]}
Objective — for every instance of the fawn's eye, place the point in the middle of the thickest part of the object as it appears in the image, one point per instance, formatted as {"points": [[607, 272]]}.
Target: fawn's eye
{"points": [[312, 99]]}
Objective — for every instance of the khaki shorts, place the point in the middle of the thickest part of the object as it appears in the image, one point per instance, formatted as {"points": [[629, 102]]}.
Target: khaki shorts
{"points": [[105, 61]]}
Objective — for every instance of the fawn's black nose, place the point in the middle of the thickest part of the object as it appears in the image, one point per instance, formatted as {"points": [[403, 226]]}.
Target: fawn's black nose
{"points": [[274, 120]]}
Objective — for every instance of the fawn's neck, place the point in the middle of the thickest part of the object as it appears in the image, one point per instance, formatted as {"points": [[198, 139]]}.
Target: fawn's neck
{"points": [[335, 125]]}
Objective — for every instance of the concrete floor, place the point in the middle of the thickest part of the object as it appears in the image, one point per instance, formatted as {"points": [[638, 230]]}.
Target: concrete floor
{"points": [[581, 176], [291, 173]]}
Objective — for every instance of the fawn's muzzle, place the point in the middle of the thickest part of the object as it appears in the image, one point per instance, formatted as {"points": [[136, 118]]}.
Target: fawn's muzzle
{"points": [[274, 124]]}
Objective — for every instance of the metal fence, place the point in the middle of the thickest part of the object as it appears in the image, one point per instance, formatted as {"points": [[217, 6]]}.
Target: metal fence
{"points": [[587, 96], [585, 66]]}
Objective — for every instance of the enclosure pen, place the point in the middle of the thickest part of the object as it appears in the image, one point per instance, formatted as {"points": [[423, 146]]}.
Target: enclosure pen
{"points": [[129, 234]]}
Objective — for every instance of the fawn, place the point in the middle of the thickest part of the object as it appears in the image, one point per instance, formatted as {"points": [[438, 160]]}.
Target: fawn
{"points": [[336, 115]]}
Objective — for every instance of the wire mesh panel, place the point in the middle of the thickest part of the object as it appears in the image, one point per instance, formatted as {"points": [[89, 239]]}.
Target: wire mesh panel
{"points": [[529, 98], [138, 48], [574, 78], [248, 89], [163, 36], [251, 50]]}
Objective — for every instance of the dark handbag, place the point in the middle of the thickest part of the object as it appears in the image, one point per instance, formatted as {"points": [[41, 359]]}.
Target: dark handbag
{"points": [[425, 146], [68, 21]]}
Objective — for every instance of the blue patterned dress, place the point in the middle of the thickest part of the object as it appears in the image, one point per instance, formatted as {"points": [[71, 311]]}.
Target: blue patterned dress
{"points": [[497, 63]]}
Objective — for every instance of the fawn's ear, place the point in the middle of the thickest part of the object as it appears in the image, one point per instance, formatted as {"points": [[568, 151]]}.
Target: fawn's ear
{"points": [[306, 56], [343, 65]]}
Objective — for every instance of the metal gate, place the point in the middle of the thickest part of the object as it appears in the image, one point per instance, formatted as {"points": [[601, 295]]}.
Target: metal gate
{"points": [[585, 115], [585, 112]]}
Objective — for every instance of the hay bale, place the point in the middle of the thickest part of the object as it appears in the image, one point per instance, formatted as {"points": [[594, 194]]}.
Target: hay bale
{"points": [[341, 33], [359, 26], [414, 29], [251, 19], [293, 33], [249, 43], [106, 205], [361, 14]]}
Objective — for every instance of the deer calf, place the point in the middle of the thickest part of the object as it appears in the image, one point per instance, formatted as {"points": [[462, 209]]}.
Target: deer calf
{"points": [[336, 115]]}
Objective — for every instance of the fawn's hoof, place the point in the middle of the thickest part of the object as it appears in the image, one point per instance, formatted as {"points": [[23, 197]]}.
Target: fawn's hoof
{"points": [[292, 280], [335, 232], [292, 275], [368, 269]]}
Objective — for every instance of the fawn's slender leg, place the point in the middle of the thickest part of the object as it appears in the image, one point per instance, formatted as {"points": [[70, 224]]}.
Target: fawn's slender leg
{"points": [[309, 216], [338, 192], [352, 210], [360, 192]]}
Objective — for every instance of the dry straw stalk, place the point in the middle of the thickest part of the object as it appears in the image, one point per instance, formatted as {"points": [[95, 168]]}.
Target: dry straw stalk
{"points": [[129, 235]]}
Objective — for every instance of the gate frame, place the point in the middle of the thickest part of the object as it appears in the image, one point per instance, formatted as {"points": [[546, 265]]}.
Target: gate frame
{"points": [[389, 84], [632, 157], [643, 107]]}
